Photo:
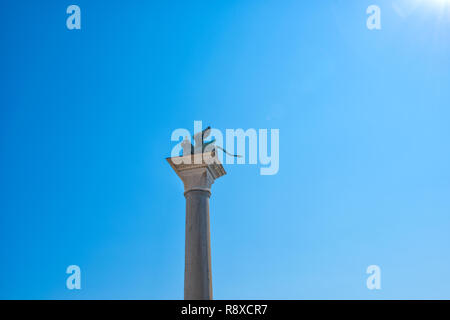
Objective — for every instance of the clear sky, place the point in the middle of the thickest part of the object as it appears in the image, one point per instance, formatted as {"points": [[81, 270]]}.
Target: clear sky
{"points": [[86, 118]]}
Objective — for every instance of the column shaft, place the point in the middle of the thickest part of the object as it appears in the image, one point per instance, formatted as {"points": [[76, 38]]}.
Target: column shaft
{"points": [[197, 273]]}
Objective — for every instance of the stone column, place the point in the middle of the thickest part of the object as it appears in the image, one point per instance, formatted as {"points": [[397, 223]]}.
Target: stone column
{"points": [[197, 175]]}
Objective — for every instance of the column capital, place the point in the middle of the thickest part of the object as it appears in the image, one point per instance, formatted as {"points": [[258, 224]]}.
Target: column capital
{"points": [[197, 171]]}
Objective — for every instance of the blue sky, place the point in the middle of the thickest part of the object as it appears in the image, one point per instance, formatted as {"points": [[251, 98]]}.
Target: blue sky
{"points": [[85, 125]]}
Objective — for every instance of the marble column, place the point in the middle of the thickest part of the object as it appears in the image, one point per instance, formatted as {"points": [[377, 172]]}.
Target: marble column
{"points": [[197, 175]]}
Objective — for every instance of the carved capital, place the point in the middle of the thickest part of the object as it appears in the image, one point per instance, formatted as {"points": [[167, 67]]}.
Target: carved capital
{"points": [[198, 171]]}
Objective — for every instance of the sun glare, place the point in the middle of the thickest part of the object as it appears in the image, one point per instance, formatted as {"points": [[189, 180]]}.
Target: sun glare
{"points": [[443, 7], [439, 7], [441, 3]]}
